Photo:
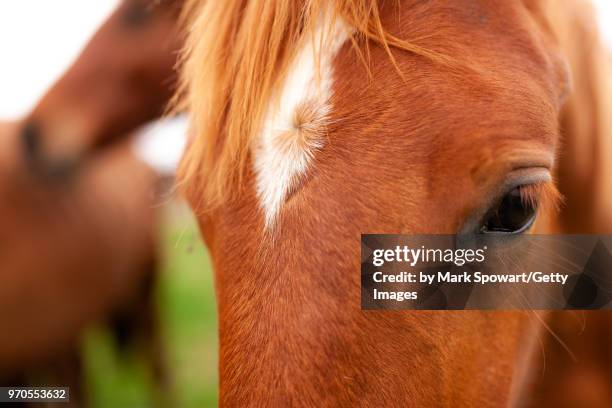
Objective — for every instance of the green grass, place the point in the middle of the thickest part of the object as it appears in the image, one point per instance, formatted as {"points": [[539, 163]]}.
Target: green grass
{"points": [[187, 313]]}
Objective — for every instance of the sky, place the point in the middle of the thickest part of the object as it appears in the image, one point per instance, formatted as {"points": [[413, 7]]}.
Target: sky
{"points": [[40, 38]]}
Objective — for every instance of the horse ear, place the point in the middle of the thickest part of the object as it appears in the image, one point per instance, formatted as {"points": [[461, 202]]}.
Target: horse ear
{"points": [[584, 166]]}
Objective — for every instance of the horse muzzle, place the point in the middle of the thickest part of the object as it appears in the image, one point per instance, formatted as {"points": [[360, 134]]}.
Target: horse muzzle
{"points": [[41, 164]]}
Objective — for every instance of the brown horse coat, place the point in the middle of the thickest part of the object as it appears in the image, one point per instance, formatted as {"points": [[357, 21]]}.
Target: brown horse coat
{"points": [[574, 367], [123, 78], [418, 154], [72, 255]]}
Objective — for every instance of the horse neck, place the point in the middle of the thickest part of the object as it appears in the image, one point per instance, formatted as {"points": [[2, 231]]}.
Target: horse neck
{"points": [[584, 171]]}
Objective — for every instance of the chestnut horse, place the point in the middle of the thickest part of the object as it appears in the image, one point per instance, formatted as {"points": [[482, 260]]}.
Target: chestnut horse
{"points": [[575, 367], [61, 245], [72, 257], [123, 78], [314, 122]]}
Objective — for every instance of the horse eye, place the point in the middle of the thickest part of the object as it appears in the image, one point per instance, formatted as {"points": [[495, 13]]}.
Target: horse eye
{"points": [[512, 215]]}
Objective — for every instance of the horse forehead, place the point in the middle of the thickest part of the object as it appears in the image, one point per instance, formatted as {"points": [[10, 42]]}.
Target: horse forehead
{"points": [[474, 31], [510, 102], [480, 28], [504, 54]]}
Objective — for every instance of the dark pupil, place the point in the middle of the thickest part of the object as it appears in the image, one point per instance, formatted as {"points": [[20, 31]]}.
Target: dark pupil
{"points": [[511, 215]]}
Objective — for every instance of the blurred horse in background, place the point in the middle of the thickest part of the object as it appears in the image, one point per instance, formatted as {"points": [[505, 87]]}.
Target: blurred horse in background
{"points": [[72, 258], [83, 252], [123, 78], [574, 367]]}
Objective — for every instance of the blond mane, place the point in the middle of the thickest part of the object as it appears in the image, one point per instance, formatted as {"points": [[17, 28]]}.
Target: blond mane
{"points": [[236, 56]]}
